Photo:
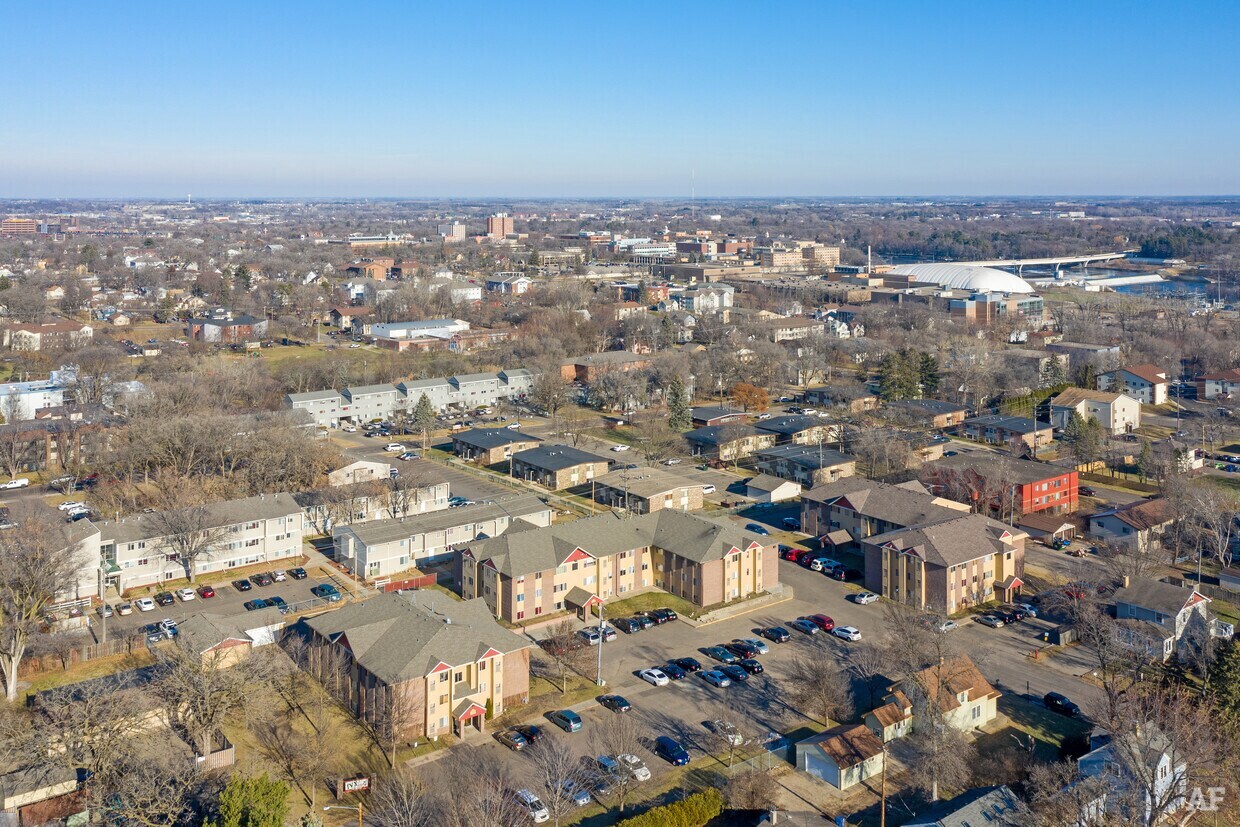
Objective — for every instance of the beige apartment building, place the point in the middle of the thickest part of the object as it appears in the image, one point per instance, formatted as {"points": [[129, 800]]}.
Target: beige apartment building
{"points": [[530, 572], [422, 666], [645, 490], [557, 466]]}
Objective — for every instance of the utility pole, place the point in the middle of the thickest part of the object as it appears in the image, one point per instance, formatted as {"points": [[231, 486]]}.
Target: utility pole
{"points": [[882, 805], [103, 603], [602, 639]]}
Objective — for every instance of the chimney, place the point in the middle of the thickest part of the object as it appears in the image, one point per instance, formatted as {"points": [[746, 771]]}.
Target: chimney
{"points": [[1124, 581]]}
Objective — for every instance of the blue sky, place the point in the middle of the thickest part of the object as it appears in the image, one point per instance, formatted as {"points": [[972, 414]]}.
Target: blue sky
{"points": [[477, 99]]}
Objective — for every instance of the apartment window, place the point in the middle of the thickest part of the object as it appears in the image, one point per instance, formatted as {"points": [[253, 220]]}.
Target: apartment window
{"points": [[520, 615], [458, 677], [443, 699], [520, 598]]}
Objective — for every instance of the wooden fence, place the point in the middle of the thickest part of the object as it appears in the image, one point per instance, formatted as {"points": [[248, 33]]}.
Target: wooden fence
{"points": [[37, 664]]}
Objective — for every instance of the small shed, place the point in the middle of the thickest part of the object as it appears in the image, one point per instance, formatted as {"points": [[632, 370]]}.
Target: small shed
{"points": [[843, 756], [1048, 527], [767, 489]]}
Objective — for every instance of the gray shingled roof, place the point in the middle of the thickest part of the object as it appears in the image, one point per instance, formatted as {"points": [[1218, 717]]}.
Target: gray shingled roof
{"points": [[895, 504], [767, 483], [807, 456], [789, 425], [644, 482], [931, 406], [369, 390], [951, 541], [1147, 593], [313, 396], [695, 538], [997, 468], [487, 438], [556, 457], [716, 434], [1015, 424], [399, 637], [989, 806]]}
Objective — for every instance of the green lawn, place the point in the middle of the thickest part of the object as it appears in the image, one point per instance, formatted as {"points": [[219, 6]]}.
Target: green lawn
{"points": [[651, 600], [90, 670], [1051, 731]]}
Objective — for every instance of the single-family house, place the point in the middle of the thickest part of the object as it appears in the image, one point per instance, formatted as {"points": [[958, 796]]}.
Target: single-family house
{"points": [[843, 756], [1159, 618], [1142, 523], [989, 806], [767, 489], [1225, 383]]}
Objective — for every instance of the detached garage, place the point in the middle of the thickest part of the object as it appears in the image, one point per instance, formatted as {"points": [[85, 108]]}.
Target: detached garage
{"points": [[767, 489], [843, 757]]}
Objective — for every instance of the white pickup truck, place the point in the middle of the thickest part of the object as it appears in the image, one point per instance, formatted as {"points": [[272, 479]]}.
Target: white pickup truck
{"points": [[20, 482]]}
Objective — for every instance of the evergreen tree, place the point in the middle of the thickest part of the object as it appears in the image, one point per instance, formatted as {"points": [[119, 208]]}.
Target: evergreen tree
{"points": [[1226, 681], [897, 378], [1145, 462], [256, 801], [643, 293], [679, 416], [1053, 373], [534, 259], [928, 374], [423, 417]]}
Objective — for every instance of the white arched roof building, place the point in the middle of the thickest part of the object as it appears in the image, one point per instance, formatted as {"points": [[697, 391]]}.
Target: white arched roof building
{"points": [[964, 277]]}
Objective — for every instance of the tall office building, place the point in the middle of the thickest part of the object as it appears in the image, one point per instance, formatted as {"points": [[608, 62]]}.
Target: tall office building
{"points": [[25, 226], [452, 232], [499, 225]]}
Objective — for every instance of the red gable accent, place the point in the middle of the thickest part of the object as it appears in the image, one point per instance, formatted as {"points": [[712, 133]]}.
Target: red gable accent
{"points": [[473, 712], [843, 502], [1197, 597], [753, 546], [467, 553], [440, 667], [490, 564], [1006, 535], [344, 641], [578, 554], [733, 550], [490, 653]]}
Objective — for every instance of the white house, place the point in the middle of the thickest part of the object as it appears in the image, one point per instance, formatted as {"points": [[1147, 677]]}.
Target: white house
{"points": [[1117, 413], [1137, 776], [767, 489], [1160, 618]]}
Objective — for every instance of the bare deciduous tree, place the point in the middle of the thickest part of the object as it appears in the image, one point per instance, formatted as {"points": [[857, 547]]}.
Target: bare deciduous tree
{"points": [[565, 649], [614, 736], [752, 790], [189, 529], [199, 691], [38, 559], [400, 800], [818, 687], [558, 769]]}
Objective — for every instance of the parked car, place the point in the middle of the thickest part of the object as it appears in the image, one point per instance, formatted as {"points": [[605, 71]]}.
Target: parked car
{"points": [[619, 448], [104, 610], [71, 506], [720, 654], [849, 633], [708, 489], [688, 664], [575, 792], [673, 671], [395, 448], [741, 649], [186, 594], [735, 672], [751, 665], [634, 766], [627, 625], [608, 633], [663, 615], [261, 579], [792, 523], [512, 739], [165, 599], [654, 677], [590, 636], [124, 609], [1028, 608], [715, 678], [823, 564], [759, 648], [616, 703], [531, 804], [206, 591], [823, 622], [993, 621], [242, 585], [670, 751], [776, 634], [805, 626], [1056, 702], [865, 598], [279, 575], [20, 482], [278, 602], [565, 719], [298, 573], [170, 627], [531, 733], [254, 605], [757, 529], [947, 626], [327, 592], [843, 573], [643, 620]]}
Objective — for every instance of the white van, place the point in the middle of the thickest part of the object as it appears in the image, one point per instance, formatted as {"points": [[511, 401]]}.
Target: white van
{"points": [[822, 564]]}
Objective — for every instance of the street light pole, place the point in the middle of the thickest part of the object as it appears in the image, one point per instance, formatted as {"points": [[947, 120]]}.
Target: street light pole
{"points": [[358, 808], [602, 639]]}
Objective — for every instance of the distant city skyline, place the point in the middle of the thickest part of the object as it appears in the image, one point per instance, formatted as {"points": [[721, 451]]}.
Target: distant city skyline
{"points": [[490, 100]]}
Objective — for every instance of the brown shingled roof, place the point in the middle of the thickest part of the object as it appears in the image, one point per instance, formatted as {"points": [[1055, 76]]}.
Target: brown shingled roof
{"points": [[955, 675], [849, 746]]}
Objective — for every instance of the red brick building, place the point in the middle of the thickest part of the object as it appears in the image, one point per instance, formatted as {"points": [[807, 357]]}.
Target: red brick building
{"points": [[1007, 483]]}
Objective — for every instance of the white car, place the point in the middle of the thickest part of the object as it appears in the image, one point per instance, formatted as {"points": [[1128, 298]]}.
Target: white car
{"points": [[708, 489], [279, 575], [947, 626], [349, 429], [865, 598], [71, 506], [186, 594], [634, 766], [847, 633], [531, 804], [672, 461], [144, 604], [513, 426], [619, 448], [20, 482], [354, 345], [395, 448], [758, 645], [1029, 609], [654, 677]]}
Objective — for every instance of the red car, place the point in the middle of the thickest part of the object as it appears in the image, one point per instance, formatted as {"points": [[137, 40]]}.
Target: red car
{"points": [[206, 591], [821, 621]]}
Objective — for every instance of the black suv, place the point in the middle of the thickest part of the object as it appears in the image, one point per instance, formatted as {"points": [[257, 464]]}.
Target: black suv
{"points": [[627, 625], [242, 585], [1059, 703], [298, 573], [663, 615], [261, 579], [165, 599]]}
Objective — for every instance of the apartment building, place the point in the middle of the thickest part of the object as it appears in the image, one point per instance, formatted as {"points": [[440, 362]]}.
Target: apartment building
{"points": [[364, 501], [728, 442], [799, 430], [589, 369], [19, 226], [52, 334], [806, 464], [491, 446], [1145, 383], [138, 551], [435, 666], [513, 284], [1004, 486], [529, 572], [386, 547], [1224, 383], [791, 330], [919, 549], [500, 225], [645, 490], [557, 466], [452, 233], [933, 413], [1008, 430], [225, 327], [1115, 412]]}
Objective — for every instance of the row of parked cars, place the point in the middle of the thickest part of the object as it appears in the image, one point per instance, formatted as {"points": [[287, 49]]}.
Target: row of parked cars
{"points": [[816, 561], [1006, 615], [594, 635]]}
